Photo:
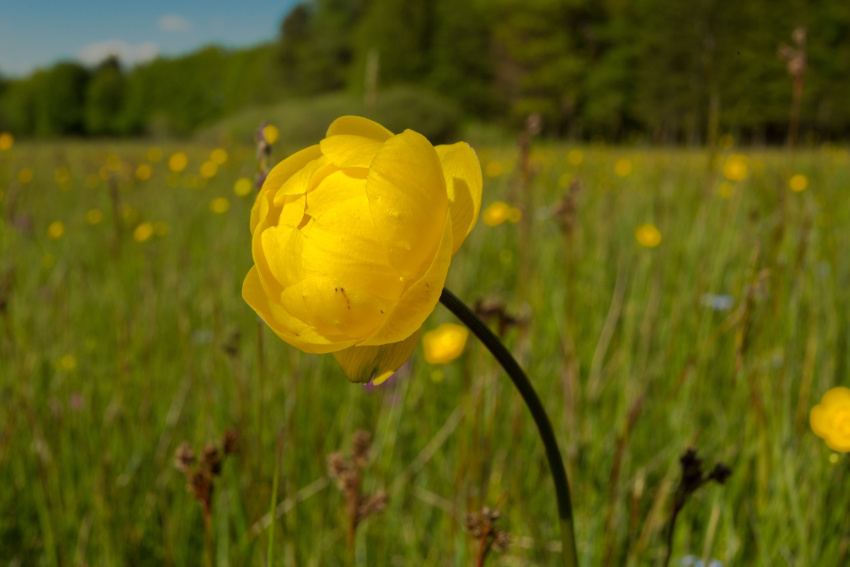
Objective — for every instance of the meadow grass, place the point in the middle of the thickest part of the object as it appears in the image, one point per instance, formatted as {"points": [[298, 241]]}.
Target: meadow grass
{"points": [[117, 348]]}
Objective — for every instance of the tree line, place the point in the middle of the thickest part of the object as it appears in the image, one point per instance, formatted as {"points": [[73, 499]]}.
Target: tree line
{"points": [[653, 69]]}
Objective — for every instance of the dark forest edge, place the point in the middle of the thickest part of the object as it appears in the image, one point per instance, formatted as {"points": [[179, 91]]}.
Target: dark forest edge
{"points": [[668, 72]]}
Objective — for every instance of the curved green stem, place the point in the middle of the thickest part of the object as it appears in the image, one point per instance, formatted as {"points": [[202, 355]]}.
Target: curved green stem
{"points": [[547, 434]]}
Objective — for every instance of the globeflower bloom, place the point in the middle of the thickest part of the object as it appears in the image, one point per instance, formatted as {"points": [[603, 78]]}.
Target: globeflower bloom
{"points": [[830, 419], [352, 240], [445, 343]]}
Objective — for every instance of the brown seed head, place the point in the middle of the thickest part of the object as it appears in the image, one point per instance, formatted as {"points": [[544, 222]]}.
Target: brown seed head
{"points": [[184, 458]]}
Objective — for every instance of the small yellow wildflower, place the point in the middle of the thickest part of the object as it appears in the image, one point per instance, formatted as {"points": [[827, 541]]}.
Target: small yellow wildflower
{"points": [[514, 215], [271, 134], [209, 169], [564, 180], [94, 216], [67, 363], [798, 183], [830, 419], [497, 213], [129, 214], [243, 187], [178, 162], [623, 167], [725, 190], [575, 157], [143, 172], [445, 343], [6, 141], [143, 232], [218, 156], [494, 169], [154, 154], [25, 175], [219, 205], [648, 235], [736, 168], [56, 230], [160, 228], [62, 174]]}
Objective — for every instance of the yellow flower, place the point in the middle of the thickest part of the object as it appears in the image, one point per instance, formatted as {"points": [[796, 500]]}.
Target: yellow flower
{"points": [[94, 216], [623, 167], [575, 157], [56, 230], [494, 169], [62, 174], [725, 190], [445, 343], [830, 419], [143, 232], [25, 175], [6, 141], [67, 363], [160, 228], [143, 172], [352, 240], [219, 205], [218, 156], [499, 212], [798, 183], [648, 236], [271, 134], [209, 169], [735, 168], [243, 186], [178, 162]]}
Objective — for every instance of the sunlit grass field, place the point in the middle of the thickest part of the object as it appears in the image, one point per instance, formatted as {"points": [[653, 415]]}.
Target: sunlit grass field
{"points": [[123, 335]]}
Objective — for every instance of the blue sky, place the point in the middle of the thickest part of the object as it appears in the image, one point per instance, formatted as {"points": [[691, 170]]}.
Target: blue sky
{"points": [[37, 33]]}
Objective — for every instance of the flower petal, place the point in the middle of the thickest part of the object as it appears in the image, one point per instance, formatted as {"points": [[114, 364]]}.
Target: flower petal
{"points": [[359, 126], [334, 310], [463, 185], [362, 363], [337, 187], [420, 298], [836, 397], [341, 244], [282, 251], [287, 327], [408, 201], [346, 150], [819, 421]]}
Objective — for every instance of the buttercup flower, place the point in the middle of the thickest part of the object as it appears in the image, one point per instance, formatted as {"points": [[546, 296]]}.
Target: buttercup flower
{"points": [[352, 240], [445, 343], [830, 419]]}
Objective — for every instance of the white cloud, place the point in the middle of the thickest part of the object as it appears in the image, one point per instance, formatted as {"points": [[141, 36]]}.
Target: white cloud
{"points": [[94, 53], [173, 23]]}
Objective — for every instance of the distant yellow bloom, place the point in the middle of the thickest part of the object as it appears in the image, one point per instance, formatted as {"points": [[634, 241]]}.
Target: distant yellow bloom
{"points": [[648, 235], [25, 175], [798, 183], [218, 156], [243, 186], [143, 232], [445, 343], [154, 154], [67, 363], [623, 167], [494, 169], [725, 190], [94, 216], [143, 172], [497, 213], [129, 214], [219, 205], [56, 230], [575, 157], [736, 168], [6, 141], [160, 228], [209, 169], [564, 180], [515, 215], [271, 134], [62, 174], [178, 162], [830, 419]]}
